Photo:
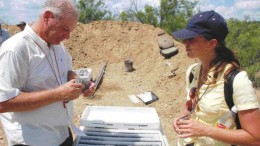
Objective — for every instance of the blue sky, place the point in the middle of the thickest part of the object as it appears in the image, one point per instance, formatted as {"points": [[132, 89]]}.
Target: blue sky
{"points": [[13, 11]]}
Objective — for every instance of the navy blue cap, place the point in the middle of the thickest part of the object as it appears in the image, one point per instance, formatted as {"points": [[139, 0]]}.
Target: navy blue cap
{"points": [[207, 23]]}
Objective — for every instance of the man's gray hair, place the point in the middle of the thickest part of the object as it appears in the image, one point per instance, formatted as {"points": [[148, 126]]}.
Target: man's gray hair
{"points": [[58, 7]]}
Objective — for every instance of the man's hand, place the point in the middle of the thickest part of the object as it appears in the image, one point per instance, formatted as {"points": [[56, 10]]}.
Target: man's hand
{"points": [[69, 91], [90, 89]]}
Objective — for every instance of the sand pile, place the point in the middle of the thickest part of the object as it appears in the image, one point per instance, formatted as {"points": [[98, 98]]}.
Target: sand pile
{"points": [[113, 42]]}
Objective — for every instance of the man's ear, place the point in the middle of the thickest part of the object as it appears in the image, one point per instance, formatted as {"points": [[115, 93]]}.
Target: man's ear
{"points": [[47, 16]]}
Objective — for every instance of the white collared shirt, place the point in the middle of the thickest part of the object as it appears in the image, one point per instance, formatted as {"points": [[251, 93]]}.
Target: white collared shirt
{"points": [[25, 68]]}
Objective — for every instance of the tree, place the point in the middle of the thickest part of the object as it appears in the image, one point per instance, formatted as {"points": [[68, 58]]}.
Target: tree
{"points": [[174, 14], [171, 15], [243, 39], [92, 10], [123, 16], [148, 16]]}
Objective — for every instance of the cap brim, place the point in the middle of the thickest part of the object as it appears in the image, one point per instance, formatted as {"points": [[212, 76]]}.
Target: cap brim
{"points": [[184, 34]]}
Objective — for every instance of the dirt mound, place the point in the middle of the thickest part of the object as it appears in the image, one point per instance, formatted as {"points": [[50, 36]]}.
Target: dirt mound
{"points": [[113, 42]]}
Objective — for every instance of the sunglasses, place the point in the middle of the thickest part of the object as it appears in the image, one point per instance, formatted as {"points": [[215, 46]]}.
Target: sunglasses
{"points": [[192, 102]]}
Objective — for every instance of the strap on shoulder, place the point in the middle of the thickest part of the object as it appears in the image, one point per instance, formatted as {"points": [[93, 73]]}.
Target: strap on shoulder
{"points": [[191, 75], [228, 92]]}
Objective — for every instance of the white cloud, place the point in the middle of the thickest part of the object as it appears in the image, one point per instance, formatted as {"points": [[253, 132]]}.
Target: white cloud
{"points": [[238, 9], [108, 2], [121, 5], [153, 3], [248, 4], [206, 7], [26, 10], [1, 4], [226, 12], [252, 15]]}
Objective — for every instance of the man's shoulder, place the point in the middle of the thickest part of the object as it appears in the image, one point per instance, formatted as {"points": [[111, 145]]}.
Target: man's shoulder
{"points": [[16, 42]]}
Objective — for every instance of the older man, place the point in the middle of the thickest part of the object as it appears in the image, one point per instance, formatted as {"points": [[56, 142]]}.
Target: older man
{"points": [[37, 85]]}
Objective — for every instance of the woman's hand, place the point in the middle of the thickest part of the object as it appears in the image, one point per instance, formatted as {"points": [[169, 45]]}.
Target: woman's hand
{"points": [[190, 128], [174, 124]]}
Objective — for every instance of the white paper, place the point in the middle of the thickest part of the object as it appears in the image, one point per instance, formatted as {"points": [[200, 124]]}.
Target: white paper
{"points": [[133, 98], [147, 97]]}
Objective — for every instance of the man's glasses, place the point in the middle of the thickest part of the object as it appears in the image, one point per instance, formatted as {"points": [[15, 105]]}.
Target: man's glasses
{"points": [[193, 101]]}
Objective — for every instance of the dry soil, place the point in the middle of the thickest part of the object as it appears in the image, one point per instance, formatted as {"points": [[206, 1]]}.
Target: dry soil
{"points": [[113, 42]]}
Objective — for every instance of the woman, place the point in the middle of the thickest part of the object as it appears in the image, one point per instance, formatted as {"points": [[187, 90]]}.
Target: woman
{"points": [[204, 39]]}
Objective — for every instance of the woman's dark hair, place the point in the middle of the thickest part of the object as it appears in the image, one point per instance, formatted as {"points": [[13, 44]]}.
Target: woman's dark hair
{"points": [[224, 56]]}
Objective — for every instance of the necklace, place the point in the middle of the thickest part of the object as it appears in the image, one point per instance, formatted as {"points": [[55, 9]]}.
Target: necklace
{"points": [[53, 70], [203, 77], [73, 127], [58, 77], [56, 73], [195, 105]]}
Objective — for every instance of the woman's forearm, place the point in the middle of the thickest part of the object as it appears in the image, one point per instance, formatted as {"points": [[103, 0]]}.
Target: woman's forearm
{"points": [[239, 137]]}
